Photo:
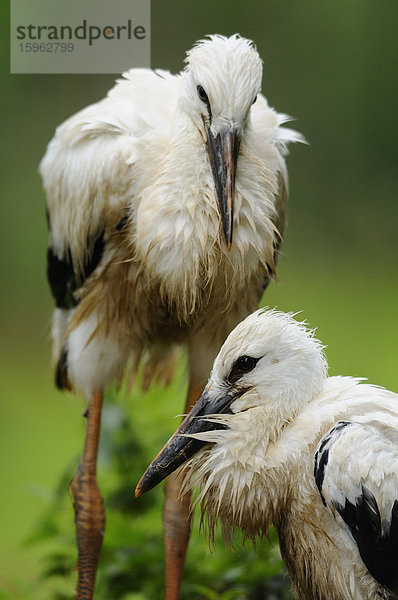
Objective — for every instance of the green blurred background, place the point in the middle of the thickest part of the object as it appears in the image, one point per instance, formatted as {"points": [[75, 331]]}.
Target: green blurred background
{"points": [[333, 66]]}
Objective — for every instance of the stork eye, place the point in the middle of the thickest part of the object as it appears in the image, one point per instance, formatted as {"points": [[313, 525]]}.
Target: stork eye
{"points": [[202, 94], [243, 364]]}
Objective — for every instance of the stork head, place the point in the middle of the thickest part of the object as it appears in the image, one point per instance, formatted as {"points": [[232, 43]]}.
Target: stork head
{"points": [[268, 369], [221, 82]]}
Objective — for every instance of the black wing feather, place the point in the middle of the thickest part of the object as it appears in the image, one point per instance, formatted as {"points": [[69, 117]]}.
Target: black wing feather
{"points": [[378, 548], [65, 279], [377, 542], [322, 456]]}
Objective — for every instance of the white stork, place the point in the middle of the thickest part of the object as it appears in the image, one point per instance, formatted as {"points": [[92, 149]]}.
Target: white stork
{"points": [[166, 202], [273, 440]]}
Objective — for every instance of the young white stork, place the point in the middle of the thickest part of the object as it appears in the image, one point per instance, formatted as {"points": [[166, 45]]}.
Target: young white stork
{"points": [[166, 201], [274, 440]]}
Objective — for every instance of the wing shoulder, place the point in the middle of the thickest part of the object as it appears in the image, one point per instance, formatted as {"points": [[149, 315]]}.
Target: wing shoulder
{"points": [[88, 172], [88, 168], [87, 186], [356, 473], [87, 180]]}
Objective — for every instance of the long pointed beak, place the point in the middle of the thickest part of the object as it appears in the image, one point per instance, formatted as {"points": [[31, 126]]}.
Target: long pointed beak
{"points": [[180, 448], [223, 152]]}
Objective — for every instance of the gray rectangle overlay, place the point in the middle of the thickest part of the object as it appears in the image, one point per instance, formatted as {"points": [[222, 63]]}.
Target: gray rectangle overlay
{"points": [[80, 36]]}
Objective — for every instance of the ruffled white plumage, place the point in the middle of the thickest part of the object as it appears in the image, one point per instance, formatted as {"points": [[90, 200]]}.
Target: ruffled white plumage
{"points": [[140, 153]]}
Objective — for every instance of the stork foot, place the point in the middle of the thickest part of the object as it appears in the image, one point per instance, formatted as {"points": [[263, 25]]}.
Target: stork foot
{"points": [[89, 506]]}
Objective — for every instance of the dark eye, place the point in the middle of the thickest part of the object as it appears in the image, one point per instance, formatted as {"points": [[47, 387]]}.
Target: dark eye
{"points": [[202, 94], [243, 364]]}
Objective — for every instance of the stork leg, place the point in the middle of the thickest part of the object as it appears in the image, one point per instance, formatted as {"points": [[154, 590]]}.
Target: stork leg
{"points": [[88, 504], [176, 516]]}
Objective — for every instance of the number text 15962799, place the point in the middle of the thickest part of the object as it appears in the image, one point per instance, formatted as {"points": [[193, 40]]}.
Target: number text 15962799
{"points": [[53, 47]]}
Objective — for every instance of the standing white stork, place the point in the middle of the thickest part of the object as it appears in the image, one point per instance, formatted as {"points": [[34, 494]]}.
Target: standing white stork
{"points": [[166, 202], [274, 440]]}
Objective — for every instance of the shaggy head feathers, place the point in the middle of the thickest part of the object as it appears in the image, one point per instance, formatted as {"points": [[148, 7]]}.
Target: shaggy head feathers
{"points": [[229, 70], [291, 365], [291, 370]]}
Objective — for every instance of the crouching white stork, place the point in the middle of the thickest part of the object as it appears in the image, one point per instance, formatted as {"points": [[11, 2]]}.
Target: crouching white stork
{"points": [[167, 202], [272, 439]]}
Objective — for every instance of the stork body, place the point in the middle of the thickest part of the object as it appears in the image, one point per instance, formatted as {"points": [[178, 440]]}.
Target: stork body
{"points": [[166, 201], [272, 440]]}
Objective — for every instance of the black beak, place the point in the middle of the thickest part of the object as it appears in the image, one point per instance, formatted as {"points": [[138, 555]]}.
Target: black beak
{"points": [[180, 448], [223, 152]]}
